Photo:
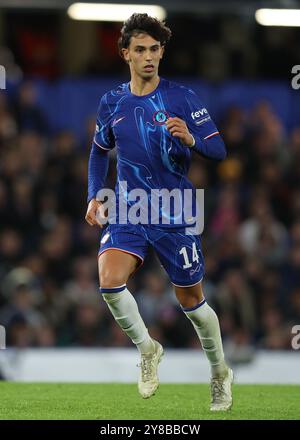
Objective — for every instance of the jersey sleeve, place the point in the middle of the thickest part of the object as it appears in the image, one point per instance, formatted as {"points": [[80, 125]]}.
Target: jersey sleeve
{"points": [[97, 171], [208, 141], [103, 136], [197, 117]]}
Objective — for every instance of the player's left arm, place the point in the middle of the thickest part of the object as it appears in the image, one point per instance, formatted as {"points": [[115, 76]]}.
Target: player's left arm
{"points": [[197, 131]]}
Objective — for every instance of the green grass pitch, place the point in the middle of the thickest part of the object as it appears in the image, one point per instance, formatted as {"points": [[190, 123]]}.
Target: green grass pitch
{"points": [[121, 402]]}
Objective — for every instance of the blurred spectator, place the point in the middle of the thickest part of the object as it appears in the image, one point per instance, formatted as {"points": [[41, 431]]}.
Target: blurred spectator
{"points": [[227, 214], [82, 288], [8, 125], [290, 275], [236, 301], [234, 131], [262, 234], [155, 297], [276, 334], [28, 114], [13, 71]]}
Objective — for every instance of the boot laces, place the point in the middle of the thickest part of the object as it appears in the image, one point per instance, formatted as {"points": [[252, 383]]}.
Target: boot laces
{"points": [[146, 366], [217, 388]]}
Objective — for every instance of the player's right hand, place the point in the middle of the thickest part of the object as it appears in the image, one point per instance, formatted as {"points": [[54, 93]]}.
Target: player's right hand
{"points": [[91, 213]]}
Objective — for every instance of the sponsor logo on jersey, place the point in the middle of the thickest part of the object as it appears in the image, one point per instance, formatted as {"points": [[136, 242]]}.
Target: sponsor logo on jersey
{"points": [[198, 113], [201, 121], [160, 117]]}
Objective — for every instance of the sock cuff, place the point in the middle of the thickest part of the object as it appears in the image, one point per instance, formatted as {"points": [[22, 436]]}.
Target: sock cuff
{"points": [[191, 309], [118, 289]]}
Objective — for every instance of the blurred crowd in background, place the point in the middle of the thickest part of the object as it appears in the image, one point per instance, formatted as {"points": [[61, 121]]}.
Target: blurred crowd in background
{"points": [[48, 253]]}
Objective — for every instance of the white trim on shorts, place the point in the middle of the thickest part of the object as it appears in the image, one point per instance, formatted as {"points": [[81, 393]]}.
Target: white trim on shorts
{"points": [[189, 285], [122, 250]]}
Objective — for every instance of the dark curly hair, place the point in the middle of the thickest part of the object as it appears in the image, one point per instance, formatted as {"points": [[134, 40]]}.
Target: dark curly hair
{"points": [[143, 23]]}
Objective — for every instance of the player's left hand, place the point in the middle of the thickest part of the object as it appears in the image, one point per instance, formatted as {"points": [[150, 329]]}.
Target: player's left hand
{"points": [[178, 128]]}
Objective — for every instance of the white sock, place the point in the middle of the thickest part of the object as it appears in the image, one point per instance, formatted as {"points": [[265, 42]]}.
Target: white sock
{"points": [[125, 311], [206, 324]]}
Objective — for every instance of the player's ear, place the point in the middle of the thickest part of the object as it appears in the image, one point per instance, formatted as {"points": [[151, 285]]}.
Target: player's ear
{"points": [[125, 53], [162, 51]]}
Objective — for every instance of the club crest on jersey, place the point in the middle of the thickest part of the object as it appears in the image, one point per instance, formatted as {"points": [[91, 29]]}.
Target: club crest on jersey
{"points": [[160, 117]]}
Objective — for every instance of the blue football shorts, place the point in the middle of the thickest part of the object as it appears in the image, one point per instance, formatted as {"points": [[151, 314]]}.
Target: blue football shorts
{"points": [[179, 254]]}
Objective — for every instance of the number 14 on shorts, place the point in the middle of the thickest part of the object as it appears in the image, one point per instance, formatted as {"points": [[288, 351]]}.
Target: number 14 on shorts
{"points": [[195, 257]]}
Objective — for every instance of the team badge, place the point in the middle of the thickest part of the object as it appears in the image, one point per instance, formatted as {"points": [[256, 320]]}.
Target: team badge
{"points": [[160, 117]]}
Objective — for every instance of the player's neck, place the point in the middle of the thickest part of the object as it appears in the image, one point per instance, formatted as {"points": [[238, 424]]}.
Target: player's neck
{"points": [[139, 86]]}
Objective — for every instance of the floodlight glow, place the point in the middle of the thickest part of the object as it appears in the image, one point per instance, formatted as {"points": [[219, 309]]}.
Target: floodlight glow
{"points": [[112, 11], [278, 17]]}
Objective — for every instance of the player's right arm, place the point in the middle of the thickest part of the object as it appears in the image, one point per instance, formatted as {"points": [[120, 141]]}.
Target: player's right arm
{"points": [[97, 172], [98, 161]]}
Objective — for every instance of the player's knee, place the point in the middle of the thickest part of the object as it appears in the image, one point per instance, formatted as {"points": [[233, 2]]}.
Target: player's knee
{"points": [[189, 296], [110, 278]]}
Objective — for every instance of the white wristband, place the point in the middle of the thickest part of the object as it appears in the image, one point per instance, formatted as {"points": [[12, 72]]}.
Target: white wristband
{"points": [[193, 144]]}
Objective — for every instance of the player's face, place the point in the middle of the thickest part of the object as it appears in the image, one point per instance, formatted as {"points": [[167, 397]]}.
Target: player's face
{"points": [[143, 55]]}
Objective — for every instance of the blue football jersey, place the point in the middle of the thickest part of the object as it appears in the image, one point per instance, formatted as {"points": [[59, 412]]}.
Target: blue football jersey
{"points": [[149, 158]]}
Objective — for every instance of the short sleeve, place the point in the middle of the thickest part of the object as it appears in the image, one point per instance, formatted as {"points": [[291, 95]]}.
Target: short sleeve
{"points": [[103, 136], [197, 117]]}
